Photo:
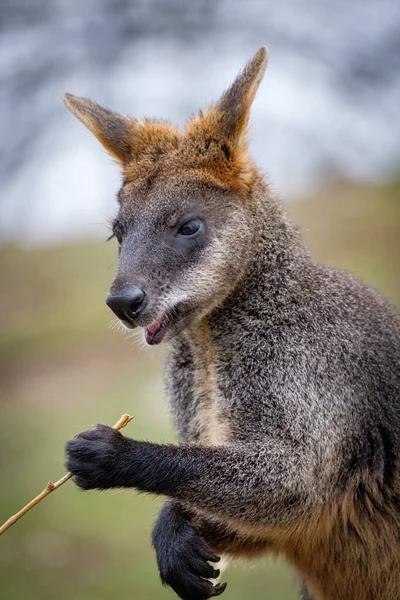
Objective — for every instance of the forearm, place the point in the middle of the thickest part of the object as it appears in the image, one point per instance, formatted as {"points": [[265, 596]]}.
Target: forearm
{"points": [[225, 539], [219, 537], [268, 480], [262, 481]]}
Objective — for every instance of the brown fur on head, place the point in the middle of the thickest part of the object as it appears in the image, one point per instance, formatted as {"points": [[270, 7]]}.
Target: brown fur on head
{"points": [[213, 144], [202, 173]]}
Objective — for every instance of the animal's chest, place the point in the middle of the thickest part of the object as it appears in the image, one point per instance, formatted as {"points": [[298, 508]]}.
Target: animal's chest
{"points": [[212, 423], [194, 389]]}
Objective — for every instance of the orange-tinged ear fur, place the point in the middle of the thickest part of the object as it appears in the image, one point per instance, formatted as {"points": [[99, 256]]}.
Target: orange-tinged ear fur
{"points": [[225, 123], [111, 129], [130, 141], [233, 110], [230, 115], [213, 145]]}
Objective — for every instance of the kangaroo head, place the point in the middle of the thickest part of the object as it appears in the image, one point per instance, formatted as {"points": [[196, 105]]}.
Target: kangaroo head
{"points": [[185, 224]]}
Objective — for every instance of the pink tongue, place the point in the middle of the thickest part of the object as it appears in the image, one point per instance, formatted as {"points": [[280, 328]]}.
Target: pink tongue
{"points": [[154, 333]]}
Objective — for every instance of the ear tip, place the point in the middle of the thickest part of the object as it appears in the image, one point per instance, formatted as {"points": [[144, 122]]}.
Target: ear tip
{"points": [[68, 99], [262, 55], [74, 102]]}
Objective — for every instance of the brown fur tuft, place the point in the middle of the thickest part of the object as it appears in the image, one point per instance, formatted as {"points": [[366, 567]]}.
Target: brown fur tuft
{"points": [[212, 148], [113, 131]]}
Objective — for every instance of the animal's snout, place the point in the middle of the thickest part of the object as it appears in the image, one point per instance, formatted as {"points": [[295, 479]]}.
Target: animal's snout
{"points": [[127, 305]]}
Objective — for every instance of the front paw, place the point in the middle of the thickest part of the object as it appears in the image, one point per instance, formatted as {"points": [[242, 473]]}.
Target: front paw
{"points": [[94, 457], [182, 559]]}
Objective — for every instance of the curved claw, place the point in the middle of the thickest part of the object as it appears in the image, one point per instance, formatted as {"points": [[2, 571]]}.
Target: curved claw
{"points": [[219, 588]]}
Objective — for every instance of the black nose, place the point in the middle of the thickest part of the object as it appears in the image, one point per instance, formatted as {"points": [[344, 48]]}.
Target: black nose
{"points": [[127, 305]]}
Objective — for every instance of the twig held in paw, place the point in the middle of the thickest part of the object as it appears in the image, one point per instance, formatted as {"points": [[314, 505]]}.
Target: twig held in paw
{"points": [[50, 487]]}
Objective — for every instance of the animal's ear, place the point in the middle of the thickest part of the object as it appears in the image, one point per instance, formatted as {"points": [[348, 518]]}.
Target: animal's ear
{"points": [[233, 109], [111, 129]]}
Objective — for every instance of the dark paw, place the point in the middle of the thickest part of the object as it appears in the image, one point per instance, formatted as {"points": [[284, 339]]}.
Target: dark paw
{"points": [[94, 457], [183, 561]]}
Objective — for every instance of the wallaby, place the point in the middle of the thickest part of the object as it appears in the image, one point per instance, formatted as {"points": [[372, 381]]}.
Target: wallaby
{"points": [[283, 374]]}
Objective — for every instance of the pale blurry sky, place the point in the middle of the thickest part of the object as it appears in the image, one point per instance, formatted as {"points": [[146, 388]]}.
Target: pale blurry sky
{"points": [[329, 104]]}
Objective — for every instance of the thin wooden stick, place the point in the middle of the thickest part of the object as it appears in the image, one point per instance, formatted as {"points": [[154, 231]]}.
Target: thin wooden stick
{"points": [[50, 487]]}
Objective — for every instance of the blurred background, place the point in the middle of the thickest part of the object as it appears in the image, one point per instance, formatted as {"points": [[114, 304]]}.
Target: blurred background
{"points": [[326, 130]]}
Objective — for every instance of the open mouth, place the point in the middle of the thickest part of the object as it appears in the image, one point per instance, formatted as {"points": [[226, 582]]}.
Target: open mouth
{"points": [[155, 332], [173, 319]]}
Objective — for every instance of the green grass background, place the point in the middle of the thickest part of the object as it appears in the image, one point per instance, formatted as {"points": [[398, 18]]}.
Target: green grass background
{"points": [[62, 368]]}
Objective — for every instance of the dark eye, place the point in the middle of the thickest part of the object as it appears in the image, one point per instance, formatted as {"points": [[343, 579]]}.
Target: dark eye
{"points": [[190, 228]]}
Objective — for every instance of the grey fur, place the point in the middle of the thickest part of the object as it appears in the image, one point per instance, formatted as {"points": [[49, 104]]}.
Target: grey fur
{"points": [[308, 364], [283, 377]]}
